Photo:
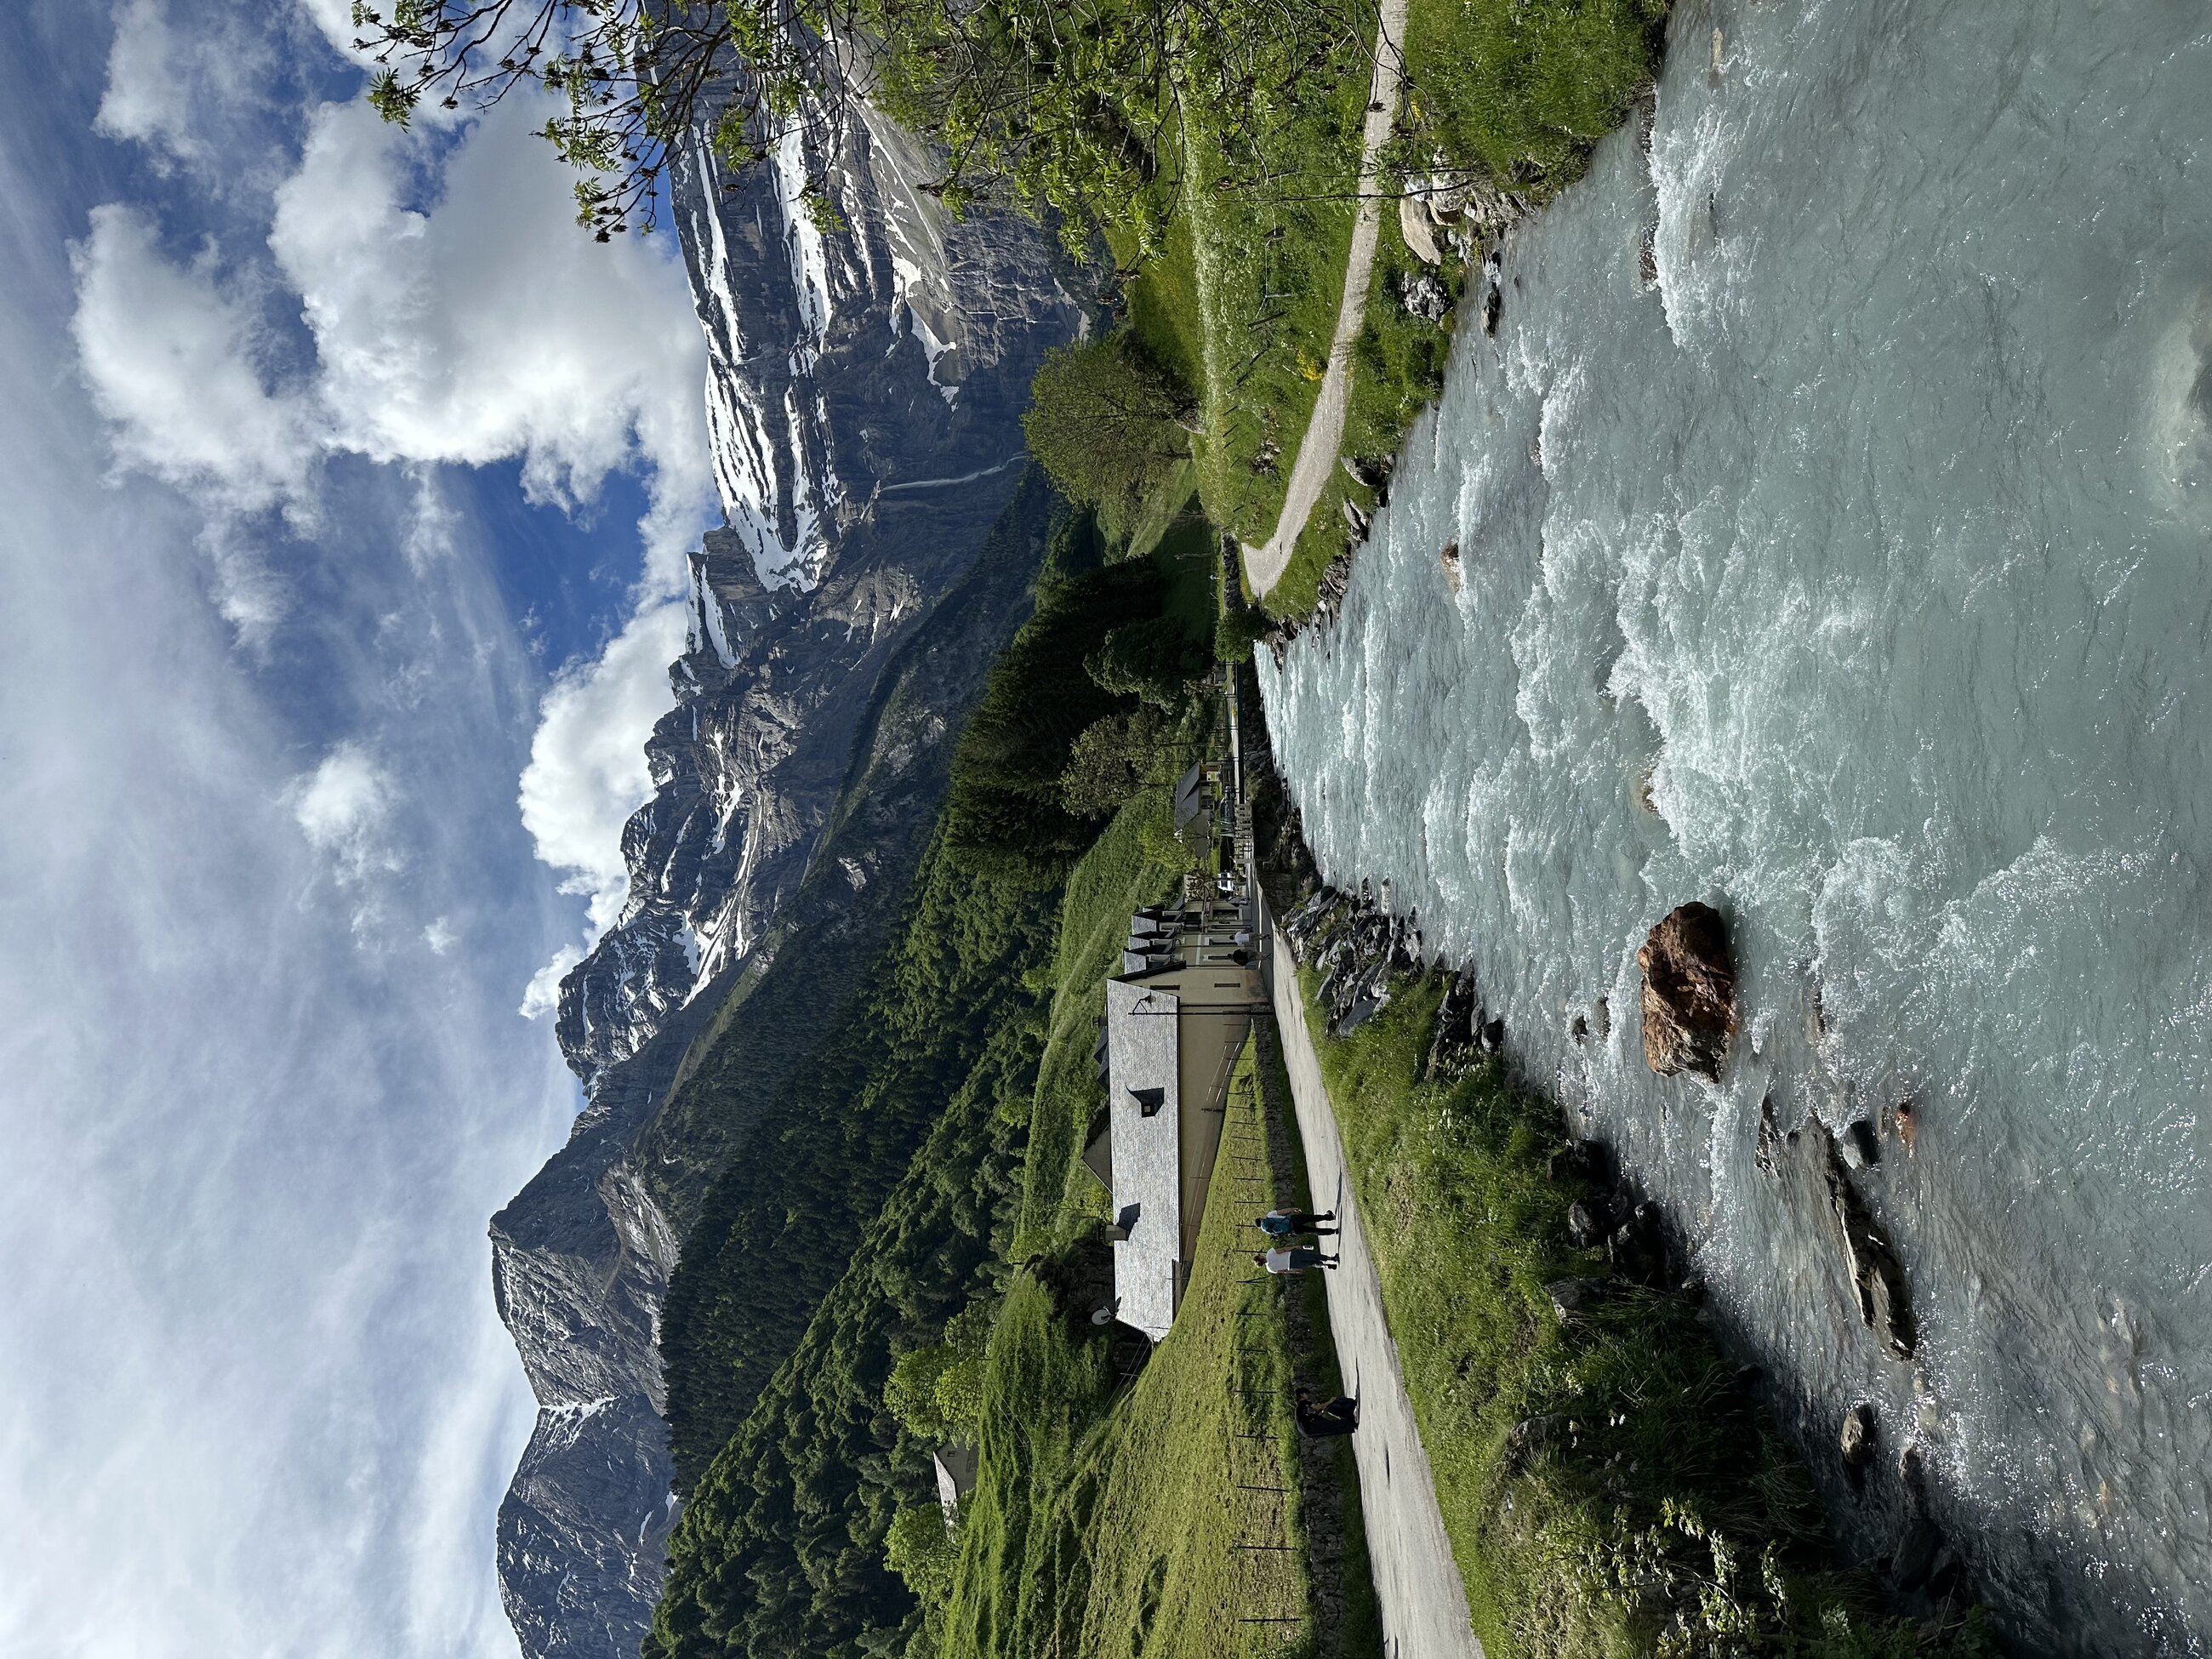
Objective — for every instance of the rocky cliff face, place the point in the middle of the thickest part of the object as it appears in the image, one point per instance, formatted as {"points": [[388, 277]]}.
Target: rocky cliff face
{"points": [[864, 394]]}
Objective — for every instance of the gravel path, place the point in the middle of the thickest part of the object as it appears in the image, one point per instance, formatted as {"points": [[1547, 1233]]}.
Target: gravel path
{"points": [[1424, 1600], [1324, 435]]}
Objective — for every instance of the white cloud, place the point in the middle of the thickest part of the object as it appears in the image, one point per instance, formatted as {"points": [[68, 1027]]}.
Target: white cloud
{"points": [[200, 96], [440, 936], [489, 326], [171, 361], [458, 316], [344, 806], [587, 771], [254, 1397], [147, 100], [542, 996]]}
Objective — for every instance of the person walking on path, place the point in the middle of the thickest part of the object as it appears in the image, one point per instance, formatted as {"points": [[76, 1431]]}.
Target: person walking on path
{"points": [[1292, 1259], [1287, 1224], [1316, 1421]]}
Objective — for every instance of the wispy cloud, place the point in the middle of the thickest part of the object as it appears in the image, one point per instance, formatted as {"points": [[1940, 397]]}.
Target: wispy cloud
{"points": [[456, 315], [174, 360], [344, 806], [253, 1395]]}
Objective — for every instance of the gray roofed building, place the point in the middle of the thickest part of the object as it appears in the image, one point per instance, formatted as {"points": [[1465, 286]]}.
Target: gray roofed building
{"points": [[1148, 1154], [1175, 1024], [1191, 796]]}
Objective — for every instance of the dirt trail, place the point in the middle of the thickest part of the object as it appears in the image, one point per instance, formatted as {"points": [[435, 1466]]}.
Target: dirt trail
{"points": [[1324, 435]]}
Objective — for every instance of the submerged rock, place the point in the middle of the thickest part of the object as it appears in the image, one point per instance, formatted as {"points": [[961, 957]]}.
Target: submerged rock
{"points": [[1857, 1442], [1581, 1160], [1638, 1248], [1876, 1275], [1689, 992], [1914, 1562], [1770, 1138]]}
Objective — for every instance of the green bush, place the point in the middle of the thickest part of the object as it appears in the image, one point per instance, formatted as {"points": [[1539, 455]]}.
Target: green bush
{"points": [[1009, 810], [1155, 660], [1116, 756], [1239, 630], [919, 1548], [1522, 91], [936, 1392]]}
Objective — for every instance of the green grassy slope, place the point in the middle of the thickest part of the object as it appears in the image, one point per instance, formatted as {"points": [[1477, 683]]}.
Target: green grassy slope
{"points": [[792, 1295], [780, 1550], [1111, 882], [1164, 1518], [783, 1221]]}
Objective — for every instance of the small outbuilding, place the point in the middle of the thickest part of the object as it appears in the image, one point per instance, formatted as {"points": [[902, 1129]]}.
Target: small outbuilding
{"points": [[955, 1478]]}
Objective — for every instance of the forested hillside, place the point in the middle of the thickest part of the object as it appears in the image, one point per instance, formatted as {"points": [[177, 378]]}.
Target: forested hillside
{"points": [[875, 1196], [783, 1223], [813, 965], [781, 1550]]}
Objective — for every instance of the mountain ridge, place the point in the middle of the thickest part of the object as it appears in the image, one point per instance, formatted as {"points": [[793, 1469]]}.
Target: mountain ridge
{"points": [[826, 667]]}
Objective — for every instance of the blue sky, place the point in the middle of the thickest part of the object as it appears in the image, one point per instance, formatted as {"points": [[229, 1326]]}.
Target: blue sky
{"points": [[344, 488]]}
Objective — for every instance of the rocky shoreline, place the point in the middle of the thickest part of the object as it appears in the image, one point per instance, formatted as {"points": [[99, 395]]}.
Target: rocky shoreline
{"points": [[1866, 1457]]}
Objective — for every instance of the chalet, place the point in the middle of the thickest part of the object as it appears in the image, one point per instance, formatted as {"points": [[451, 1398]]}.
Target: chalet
{"points": [[1176, 1018]]}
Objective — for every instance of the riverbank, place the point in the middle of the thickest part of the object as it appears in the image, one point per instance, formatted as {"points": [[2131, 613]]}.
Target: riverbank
{"points": [[1781, 587], [1287, 292], [1608, 1479]]}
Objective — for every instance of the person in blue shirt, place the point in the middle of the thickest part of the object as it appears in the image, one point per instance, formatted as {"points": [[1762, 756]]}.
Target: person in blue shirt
{"points": [[1285, 1224]]}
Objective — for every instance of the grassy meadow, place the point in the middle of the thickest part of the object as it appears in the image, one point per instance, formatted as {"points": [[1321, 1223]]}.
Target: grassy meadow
{"points": [[1166, 1516]]}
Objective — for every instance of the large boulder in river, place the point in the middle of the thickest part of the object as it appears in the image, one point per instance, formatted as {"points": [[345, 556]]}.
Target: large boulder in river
{"points": [[1689, 992]]}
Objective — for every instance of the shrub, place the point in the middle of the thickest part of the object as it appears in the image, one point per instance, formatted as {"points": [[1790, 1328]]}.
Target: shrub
{"points": [[1155, 660], [919, 1549], [1007, 812], [1238, 631]]}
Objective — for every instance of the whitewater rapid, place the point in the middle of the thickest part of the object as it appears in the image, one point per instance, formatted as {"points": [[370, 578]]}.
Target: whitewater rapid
{"points": [[1856, 576]]}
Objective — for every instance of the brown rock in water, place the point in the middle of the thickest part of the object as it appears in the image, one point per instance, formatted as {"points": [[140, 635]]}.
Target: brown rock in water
{"points": [[1449, 559], [1689, 992], [1856, 1442]]}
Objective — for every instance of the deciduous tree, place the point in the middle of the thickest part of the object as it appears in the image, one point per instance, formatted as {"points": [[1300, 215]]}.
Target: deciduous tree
{"points": [[1106, 422]]}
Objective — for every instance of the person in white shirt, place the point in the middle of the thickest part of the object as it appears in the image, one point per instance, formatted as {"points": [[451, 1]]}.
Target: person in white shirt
{"points": [[1292, 1259]]}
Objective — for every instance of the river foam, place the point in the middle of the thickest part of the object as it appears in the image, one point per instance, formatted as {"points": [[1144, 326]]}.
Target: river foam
{"points": [[1854, 576]]}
